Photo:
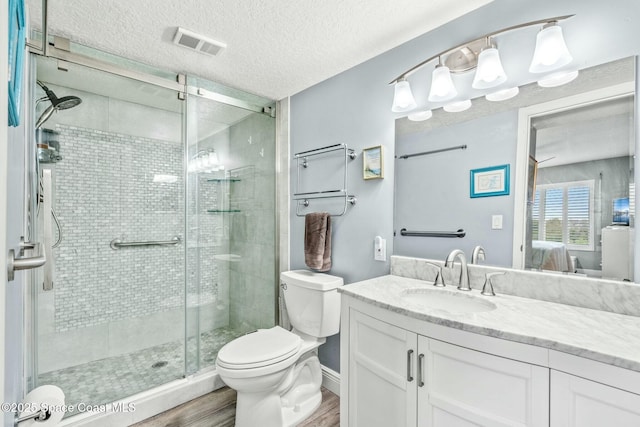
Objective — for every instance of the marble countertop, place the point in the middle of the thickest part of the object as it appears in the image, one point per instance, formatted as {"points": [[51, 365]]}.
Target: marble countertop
{"points": [[598, 335]]}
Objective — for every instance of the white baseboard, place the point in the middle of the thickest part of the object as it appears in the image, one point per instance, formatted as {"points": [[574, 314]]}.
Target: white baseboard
{"points": [[331, 380]]}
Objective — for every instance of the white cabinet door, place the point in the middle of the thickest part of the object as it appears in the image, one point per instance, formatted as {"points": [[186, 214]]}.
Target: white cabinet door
{"points": [[577, 402], [382, 390], [465, 388]]}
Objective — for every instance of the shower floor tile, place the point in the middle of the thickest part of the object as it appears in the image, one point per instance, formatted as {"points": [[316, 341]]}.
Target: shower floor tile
{"points": [[110, 379]]}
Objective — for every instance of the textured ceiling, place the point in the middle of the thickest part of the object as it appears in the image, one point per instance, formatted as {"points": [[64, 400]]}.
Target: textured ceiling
{"points": [[274, 48]]}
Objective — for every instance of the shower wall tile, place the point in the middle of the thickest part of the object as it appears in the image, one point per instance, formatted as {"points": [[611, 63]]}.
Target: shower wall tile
{"points": [[105, 190]]}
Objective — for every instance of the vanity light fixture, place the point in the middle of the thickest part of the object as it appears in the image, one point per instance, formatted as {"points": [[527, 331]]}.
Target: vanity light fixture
{"points": [[503, 94], [205, 161], [420, 116], [442, 88], [490, 72], [558, 79], [551, 54], [456, 107], [403, 99], [551, 51]]}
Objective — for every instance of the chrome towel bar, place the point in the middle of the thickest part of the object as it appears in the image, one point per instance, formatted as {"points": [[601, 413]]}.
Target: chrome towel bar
{"points": [[303, 198], [117, 243], [460, 233]]}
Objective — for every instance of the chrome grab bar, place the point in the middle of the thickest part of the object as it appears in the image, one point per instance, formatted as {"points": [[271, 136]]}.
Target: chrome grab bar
{"points": [[25, 263], [460, 233], [117, 243]]}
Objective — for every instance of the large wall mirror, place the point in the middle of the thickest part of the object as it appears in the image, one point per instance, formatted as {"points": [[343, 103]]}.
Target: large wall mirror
{"points": [[571, 202]]}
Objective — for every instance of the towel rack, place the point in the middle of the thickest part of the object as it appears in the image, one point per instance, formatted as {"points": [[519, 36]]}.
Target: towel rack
{"points": [[460, 233], [302, 198], [117, 243]]}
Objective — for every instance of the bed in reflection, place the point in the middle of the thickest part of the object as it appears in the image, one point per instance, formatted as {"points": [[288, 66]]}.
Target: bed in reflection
{"points": [[552, 256]]}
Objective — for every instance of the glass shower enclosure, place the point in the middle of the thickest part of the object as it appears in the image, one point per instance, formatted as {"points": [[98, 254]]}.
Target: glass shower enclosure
{"points": [[161, 215]]}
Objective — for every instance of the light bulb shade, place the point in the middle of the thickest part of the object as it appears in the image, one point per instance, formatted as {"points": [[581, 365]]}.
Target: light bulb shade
{"points": [[558, 79], [456, 107], [213, 158], [403, 99], [420, 116], [551, 51], [503, 95], [489, 72], [442, 88]]}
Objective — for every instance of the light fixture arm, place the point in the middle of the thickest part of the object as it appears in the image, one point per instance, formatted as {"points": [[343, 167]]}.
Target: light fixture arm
{"points": [[486, 36]]}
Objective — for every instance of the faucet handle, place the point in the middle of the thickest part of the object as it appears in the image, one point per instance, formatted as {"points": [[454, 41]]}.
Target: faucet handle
{"points": [[439, 282], [487, 288]]}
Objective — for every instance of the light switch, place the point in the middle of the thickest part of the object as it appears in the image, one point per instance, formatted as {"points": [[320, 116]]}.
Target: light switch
{"points": [[496, 222]]}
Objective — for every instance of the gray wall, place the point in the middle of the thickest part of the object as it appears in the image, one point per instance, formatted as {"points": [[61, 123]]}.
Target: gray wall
{"points": [[355, 107], [432, 192]]}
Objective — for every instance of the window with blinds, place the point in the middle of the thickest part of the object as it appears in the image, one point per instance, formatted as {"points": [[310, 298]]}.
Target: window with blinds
{"points": [[563, 213]]}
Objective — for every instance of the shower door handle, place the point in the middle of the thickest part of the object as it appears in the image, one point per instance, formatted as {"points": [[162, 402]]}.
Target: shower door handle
{"points": [[47, 204], [24, 263]]}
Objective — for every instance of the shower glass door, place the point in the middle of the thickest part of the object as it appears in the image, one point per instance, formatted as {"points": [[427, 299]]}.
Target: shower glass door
{"points": [[231, 217], [114, 323]]}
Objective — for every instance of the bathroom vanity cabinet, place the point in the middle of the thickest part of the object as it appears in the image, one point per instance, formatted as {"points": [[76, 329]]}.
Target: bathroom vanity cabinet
{"points": [[578, 402], [400, 371], [397, 377]]}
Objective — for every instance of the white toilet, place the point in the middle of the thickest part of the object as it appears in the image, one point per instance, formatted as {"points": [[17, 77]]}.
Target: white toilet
{"points": [[276, 372]]}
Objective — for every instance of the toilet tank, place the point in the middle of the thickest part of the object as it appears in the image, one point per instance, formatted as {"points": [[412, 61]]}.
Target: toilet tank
{"points": [[313, 302]]}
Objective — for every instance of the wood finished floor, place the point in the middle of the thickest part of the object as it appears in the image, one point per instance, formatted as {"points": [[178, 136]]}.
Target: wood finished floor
{"points": [[218, 409]]}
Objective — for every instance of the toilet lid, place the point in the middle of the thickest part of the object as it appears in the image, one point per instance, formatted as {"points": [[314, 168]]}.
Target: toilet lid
{"points": [[261, 348]]}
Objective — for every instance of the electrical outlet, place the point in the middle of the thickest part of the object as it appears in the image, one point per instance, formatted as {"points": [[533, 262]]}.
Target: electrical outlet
{"points": [[379, 249]]}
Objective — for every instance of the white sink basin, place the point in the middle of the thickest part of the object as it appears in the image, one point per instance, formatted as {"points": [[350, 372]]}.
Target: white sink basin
{"points": [[455, 302]]}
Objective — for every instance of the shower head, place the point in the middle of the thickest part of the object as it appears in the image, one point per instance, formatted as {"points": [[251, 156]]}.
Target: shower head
{"points": [[63, 103], [67, 102]]}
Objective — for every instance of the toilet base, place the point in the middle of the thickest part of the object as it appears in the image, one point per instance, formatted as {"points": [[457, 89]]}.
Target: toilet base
{"points": [[297, 397], [293, 416]]}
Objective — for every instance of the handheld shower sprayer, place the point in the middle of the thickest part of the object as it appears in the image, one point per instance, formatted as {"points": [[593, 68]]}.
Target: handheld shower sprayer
{"points": [[63, 103]]}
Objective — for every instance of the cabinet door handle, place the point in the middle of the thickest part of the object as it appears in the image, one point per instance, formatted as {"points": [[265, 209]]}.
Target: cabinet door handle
{"points": [[409, 370], [420, 370]]}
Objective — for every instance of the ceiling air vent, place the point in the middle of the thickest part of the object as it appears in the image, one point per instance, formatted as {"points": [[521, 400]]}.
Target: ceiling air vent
{"points": [[197, 42]]}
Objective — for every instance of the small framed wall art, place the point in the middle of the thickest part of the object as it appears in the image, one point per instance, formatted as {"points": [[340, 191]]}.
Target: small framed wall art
{"points": [[491, 181], [373, 162]]}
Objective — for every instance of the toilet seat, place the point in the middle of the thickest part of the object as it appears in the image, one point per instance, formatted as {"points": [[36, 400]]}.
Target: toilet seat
{"points": [[259, 349]]}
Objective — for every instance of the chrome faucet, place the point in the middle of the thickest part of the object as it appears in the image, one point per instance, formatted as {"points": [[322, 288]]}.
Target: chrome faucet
{"points": [[464, 274], [477, 254], [439, 282], [487, 289]]}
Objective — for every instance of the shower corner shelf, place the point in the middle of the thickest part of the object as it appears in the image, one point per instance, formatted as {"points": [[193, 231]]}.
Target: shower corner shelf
{"points": [[303, 198], [223, 180], [216, 211]]}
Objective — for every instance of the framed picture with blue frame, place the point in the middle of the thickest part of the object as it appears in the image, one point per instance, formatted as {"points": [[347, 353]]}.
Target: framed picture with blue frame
{"points": [[17, 40], [491, 181]]}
